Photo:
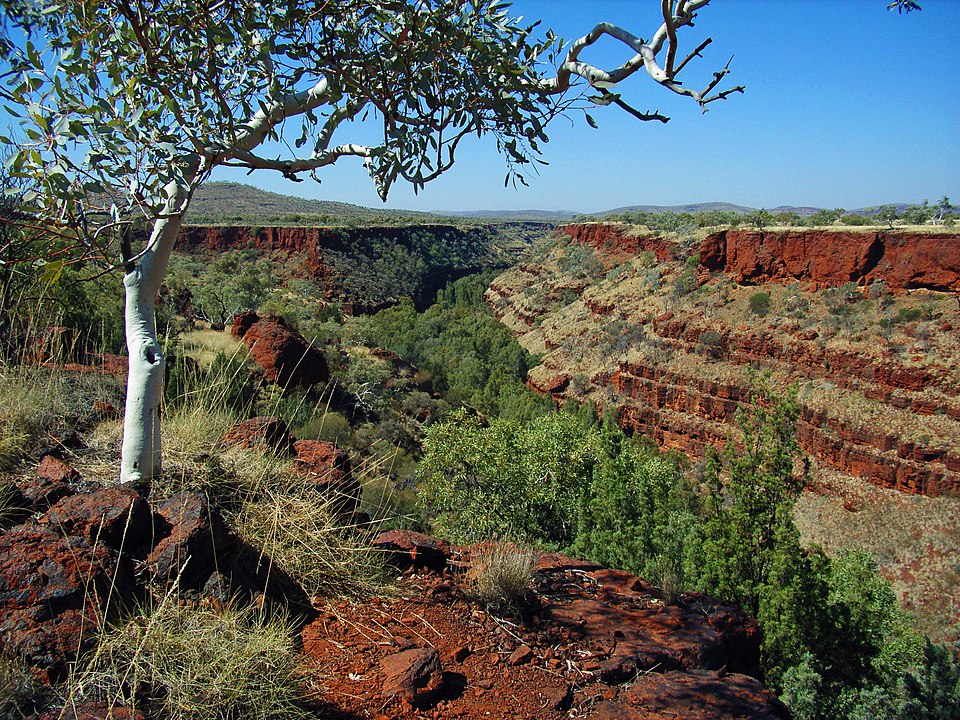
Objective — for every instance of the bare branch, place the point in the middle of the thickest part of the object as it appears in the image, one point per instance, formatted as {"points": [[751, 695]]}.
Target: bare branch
{"points": [[674, 16], [691, 56], [618, 101]]}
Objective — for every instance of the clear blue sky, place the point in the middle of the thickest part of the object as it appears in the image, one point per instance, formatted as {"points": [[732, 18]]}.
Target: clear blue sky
{"points": [[847, 105]]}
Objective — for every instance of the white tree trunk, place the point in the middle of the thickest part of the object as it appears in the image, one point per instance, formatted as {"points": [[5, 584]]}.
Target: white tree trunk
{"points": [[140, 460]]}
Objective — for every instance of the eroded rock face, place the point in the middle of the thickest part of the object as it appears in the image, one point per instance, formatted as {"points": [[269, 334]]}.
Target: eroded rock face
{"points": [[617, 238], [283, 353], [829, 258]]}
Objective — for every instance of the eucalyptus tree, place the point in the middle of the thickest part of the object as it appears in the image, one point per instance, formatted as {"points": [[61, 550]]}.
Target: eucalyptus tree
{"points": [[127, 106]]}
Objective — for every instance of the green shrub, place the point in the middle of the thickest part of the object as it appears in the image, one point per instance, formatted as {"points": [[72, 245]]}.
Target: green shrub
{"points": [[760, 303], [329, 426]]}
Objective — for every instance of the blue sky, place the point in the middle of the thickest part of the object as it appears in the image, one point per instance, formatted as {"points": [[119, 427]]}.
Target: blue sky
{"points": [[847, 105]]}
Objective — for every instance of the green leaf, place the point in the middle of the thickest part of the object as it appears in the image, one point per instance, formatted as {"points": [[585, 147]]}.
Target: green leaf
{"points": [[51, 272], [591, 122]]}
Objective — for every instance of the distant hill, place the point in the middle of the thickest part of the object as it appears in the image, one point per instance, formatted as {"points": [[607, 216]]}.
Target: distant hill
{"points": [[230, 203], [689, 208], [555, 216]]}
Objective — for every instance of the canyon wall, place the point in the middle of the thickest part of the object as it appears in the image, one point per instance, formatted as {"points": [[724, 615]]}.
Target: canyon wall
{"points": [[885, 410], [621, 238], [904, 260], [369, 268]]}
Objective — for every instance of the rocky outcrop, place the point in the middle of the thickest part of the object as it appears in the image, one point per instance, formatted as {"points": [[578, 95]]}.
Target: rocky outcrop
{"points": [[690, 414], [55, 593], [624, 239], [603, 642], [262, 431], [828, 258], [285, 356]]}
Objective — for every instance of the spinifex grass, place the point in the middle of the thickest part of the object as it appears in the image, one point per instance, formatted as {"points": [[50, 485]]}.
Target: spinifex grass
{"points": [[194, 662], [503, 573]]}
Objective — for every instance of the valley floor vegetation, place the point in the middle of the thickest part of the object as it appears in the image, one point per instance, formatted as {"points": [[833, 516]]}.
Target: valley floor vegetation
{"points": [[446, 438]]}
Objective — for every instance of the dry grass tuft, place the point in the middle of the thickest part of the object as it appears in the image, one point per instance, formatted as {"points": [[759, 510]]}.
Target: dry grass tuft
{"points": [[303, 534], [19, 692], [36, 404], [503, 573], [205, 346], [189, 662]]}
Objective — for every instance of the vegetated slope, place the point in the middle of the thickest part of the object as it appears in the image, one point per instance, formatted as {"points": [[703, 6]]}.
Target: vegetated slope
{"points": [[626, 319], [368, 268], [230, 203]]}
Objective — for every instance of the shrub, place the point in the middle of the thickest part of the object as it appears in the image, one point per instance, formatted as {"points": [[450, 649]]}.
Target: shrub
{"points": [[503, 574], [760, 303], [330, 426], [186, 662], [711, 343]]}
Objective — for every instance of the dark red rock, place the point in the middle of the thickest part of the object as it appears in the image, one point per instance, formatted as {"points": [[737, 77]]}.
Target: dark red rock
{"points": [[327, 468], [57, 471], [413, 675], [621, 239], [117, 517], [259, 432], [197, 543], [555, 562], [284, 355], [413, 549], [693, 695], [55, 590], [829, 258], [242, 322], [39, 494]]}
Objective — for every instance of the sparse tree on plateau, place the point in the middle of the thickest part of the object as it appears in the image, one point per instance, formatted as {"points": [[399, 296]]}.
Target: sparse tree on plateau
{"points": [[138, 101]]}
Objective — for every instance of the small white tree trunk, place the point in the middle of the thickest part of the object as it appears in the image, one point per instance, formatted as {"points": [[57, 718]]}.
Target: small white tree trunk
{"points": [[140, 459]]}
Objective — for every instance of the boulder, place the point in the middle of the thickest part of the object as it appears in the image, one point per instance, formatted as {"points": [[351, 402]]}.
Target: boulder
{"points": [[412, 549], [55, 590], [242, 322], [327, 468], [413, 675], [258, 432], [198, 541], [117, 517], [284, 355], [56, 470]]}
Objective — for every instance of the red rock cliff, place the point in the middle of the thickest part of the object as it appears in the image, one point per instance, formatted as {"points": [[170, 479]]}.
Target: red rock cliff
{"points": [[828, 258], [621, 238]]}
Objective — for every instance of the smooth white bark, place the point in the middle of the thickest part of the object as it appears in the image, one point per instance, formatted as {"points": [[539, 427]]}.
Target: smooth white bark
{"points": [[140, 460]]}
